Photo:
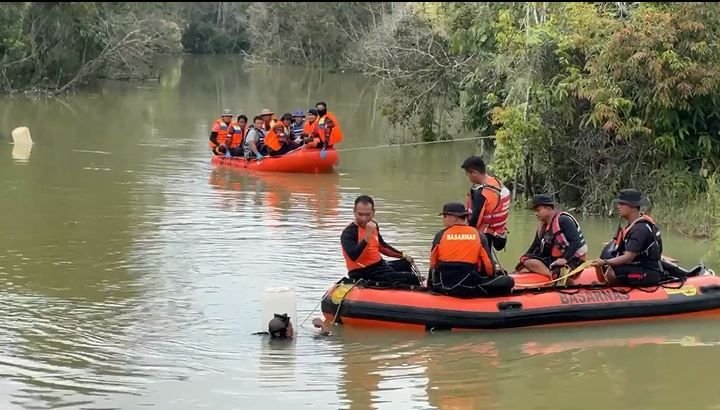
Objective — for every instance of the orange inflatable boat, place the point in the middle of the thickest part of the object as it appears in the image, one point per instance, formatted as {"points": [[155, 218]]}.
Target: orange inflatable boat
{"points": [[302, 160], [363, 305]]}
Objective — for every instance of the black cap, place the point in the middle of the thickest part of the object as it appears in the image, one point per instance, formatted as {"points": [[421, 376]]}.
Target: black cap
{"points": [[286, 116], [632, 197], [542, 199], [313, 111], [454, 208], [278, 325]]}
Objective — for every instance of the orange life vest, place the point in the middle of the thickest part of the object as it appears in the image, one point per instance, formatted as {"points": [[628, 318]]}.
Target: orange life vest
{"points": [[267, 127], [496, 211], [311, 130], [277, 137], [235, 136], [328, 128], [552, 235], [622, 233], [462, 243], [221, 127], [370, 255]]}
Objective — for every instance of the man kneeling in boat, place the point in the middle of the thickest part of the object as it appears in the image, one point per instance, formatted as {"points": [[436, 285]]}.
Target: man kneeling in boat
{"points": [[559, 241], [362, 247], [460, 263], [637, 248]]}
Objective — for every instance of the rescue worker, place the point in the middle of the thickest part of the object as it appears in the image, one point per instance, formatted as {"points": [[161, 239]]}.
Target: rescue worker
{"points": [[218, 134], [297, 126], [268, 118], [637, 249], [310, 135], [279, 140], [460, 263], [328, 126], [236, 135], [254, 144], [363, 247], [558, 242], [488, 202]]}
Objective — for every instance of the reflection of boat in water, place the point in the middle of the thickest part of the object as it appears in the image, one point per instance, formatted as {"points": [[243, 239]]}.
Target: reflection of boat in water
{"points": [[477, 370], [303, 160], [364, 305], [281, 192]]}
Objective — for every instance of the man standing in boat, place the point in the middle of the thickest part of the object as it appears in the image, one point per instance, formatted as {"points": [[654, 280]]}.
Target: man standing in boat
{"points": [[488, 202], [637, 248], [460, 263], [363, 247], [559, 240]]}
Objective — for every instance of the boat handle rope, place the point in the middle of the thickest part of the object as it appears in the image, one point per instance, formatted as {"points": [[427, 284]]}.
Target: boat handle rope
{"points": [[337, 312], [564, 276]]}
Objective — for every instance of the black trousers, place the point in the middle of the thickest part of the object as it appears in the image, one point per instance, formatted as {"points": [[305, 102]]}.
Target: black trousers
{"points": [[463, 283], [398, 271], [287, 147], [497, 242]]}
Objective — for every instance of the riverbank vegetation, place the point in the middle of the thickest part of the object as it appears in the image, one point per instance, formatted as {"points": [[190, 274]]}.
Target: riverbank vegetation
{"points": [[54, 47], [583, 98]]}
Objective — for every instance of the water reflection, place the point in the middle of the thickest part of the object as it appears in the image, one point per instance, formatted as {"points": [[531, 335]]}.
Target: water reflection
{"points": [[21, 153], [599, 367]]}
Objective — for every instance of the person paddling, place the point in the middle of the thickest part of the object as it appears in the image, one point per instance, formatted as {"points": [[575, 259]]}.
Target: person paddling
{"points": [[637, 248]]}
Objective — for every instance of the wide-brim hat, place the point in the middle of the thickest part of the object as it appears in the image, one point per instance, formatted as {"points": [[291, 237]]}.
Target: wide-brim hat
{"points": [[266, 111], [454, 208], [631, 197], [227, 113], [542, 199]]}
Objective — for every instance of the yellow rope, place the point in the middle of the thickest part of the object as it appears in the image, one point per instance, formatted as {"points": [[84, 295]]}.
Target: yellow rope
{"points": [[563, 276]]}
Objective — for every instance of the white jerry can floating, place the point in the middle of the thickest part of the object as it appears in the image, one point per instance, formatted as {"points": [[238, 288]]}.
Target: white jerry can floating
{"points": [[21, 136], [278, 300]]}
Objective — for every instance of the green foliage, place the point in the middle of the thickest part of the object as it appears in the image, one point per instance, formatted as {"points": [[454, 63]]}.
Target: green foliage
{"points": [[584, 98], [54, 46], [310, 33], [215, 28]]}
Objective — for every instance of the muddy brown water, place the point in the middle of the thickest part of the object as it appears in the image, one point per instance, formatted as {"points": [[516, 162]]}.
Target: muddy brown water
{"points": [[131, 271]]}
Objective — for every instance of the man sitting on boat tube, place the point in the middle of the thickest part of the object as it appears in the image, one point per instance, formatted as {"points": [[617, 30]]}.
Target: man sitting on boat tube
{"points": [[460, 263], [558, 242], [637, 248], [363, 247]]}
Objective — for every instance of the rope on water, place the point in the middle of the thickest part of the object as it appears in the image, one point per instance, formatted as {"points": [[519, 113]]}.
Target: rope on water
{"points": [[408, 144]]}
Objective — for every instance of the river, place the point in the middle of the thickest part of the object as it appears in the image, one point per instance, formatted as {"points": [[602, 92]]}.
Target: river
{"points": [[131, 271]]}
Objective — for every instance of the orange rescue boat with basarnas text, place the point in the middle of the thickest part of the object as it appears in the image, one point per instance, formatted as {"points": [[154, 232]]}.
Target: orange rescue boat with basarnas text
{"points": [[301, 160], [363, 304]]}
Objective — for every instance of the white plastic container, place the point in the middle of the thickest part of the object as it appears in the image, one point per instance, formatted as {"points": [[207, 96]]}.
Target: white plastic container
{"points": [[278, 300], [21, 136]]}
